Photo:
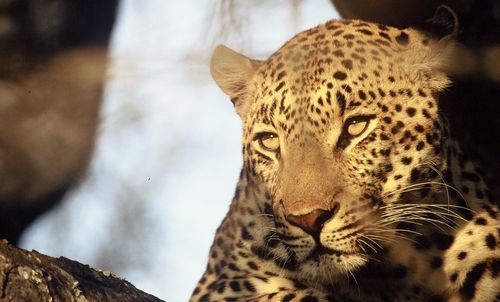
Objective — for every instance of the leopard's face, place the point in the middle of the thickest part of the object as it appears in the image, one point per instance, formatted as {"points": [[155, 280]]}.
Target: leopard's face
{"points": [[337, 124]]}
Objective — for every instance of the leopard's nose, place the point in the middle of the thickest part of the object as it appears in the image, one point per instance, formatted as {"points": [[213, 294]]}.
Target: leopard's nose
{"points": [[312, 222]]}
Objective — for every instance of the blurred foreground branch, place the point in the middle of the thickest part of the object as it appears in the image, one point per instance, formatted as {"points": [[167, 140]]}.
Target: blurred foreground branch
{"points": [[31, 276], [53, 60]]}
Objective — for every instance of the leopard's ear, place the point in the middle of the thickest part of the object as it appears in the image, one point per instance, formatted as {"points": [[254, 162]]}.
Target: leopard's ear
{"points": [[444, 27], [444, 24], [436, 59], [232, 72]]}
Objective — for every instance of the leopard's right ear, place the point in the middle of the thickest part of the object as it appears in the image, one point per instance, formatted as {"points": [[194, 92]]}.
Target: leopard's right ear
{"points": [[232, 72]]}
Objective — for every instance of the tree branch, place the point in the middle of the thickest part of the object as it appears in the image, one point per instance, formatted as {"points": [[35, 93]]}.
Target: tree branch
{"points": [[31, 276]]}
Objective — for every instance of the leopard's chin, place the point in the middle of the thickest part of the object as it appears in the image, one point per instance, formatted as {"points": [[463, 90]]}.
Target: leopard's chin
{"points": [[326, 265]]}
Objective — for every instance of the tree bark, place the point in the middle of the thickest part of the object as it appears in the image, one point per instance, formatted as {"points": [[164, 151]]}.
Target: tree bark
{"points": [[31, 276]]}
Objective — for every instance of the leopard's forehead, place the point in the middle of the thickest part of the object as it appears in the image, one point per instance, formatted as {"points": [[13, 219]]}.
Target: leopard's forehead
{"points": [[340, 51], [338, 67]]}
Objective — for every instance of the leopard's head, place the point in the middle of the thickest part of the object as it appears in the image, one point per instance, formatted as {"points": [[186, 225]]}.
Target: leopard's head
{"points": [[337, 124]]}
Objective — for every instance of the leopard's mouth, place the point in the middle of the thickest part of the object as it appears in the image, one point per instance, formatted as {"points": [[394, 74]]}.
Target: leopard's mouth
{"points": [[321, 250], [319, 262], [324, 263]]}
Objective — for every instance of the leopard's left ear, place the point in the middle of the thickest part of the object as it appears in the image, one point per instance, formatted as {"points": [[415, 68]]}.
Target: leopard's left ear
{"points": [[232, 72], [444, 24], [436, 60]]}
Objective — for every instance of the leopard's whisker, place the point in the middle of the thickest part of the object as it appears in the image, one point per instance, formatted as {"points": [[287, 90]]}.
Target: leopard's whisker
{"points": [[431, 166], [394, 230], [371, 239], [412, 214], [420, 185], [367, 244], [357, 284]]}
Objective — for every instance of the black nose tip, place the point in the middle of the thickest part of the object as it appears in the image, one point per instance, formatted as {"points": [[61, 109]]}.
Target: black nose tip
{"points": [[312, 222]]}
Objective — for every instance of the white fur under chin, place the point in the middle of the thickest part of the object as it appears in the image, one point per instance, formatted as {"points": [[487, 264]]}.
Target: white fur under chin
{"points": [[330, 268]]}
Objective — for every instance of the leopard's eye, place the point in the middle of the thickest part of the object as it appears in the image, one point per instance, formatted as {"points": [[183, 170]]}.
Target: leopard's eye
{"points": [[353, 127], [356, 127], [268, 141]]}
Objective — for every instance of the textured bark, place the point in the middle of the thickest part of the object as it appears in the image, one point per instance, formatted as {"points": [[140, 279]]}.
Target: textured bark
{"points": [[31, 276]]}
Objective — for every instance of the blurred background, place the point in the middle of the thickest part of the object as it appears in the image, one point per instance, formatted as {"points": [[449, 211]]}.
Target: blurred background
{"points": [[119, 151], [167, 153]]}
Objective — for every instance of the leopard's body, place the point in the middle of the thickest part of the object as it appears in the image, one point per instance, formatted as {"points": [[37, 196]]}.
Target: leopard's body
{"points": [[352, 188]]}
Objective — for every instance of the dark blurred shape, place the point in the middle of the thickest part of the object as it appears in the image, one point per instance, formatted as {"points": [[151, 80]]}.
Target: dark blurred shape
{"points": [[471, 103], [479, 20], [53, 57], [33, 30], [390, 12]]}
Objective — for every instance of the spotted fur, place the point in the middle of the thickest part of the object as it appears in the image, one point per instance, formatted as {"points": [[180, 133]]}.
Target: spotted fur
{"points": [[352, 187]]}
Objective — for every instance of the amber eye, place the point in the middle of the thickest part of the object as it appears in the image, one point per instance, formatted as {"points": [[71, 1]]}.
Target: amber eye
{"points": [[356, 125], [353, 127], [268, 141]]}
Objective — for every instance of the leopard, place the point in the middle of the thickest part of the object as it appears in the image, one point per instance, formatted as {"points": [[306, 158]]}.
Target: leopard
{"points": [[353, 187]]}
